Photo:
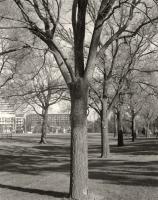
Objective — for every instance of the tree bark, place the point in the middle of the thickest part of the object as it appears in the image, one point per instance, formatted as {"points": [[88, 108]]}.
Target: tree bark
{"points": [[79, 149], [115, 126], [133, 129], [44, 127], [120, 129], [147, 130], [105, 148]]}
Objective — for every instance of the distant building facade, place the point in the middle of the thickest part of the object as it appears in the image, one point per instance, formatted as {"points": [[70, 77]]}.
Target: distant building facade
{"points": [[20, 123], [7, 117], [10, 122], [56, 123]]}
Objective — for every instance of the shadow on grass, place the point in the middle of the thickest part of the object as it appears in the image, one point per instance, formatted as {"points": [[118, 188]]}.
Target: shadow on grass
{"points": [[35, 160], [125, 173], [139, 147], [122, 171], [55, 158], [36, 191], [35, 139]]}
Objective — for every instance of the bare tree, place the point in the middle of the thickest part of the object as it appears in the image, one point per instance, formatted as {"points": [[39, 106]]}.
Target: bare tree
{"points": [[46, 92], [39, 87]]}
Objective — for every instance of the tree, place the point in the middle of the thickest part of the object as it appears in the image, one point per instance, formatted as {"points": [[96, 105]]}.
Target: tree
{"points": [[46, 92], [124, 51], [134, 100], [8, 66], [77, 81], [113, 71], [148, 112], [120, 141], [39, 87]]}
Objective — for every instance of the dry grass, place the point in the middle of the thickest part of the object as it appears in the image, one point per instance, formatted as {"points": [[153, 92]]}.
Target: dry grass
{"points": [[29, 171]]}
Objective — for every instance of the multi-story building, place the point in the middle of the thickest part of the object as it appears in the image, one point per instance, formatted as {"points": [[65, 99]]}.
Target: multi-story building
{"points": [[56, 122], [10, 122], [62, 120], [20, 123], [7, 117]]}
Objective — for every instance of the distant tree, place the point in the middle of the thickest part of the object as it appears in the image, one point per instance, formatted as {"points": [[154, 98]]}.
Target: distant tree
{"points": [[47, 92], [39, 87], [149, 113], [134, 100], [113, 71]]}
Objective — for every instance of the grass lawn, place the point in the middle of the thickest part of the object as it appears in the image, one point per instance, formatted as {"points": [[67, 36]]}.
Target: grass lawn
{"points": [[29, 171]]}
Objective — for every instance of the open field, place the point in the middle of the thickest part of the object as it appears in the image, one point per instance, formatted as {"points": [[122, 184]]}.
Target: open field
{"points": [[29, 171]]}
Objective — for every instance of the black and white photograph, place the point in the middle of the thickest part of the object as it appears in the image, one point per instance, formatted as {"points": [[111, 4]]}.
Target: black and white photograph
{"points": [[78, 99]]}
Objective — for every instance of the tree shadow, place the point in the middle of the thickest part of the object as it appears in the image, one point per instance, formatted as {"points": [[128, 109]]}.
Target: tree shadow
{"points": [[125, 170], [36, 191], [35, 138], [34, 160], [121, 179], [139, 147], [38, 159], [122, 172]]}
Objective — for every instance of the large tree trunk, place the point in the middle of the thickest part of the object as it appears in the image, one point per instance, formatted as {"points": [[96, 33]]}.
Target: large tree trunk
{"points": [[79, 150], [105, 148], [44, 127], [120, 129]]}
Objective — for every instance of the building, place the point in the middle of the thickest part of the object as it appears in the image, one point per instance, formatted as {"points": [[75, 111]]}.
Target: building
{"points": [[20, 123], [56, 123], [62, 120], [7, 117], [10, 122]]}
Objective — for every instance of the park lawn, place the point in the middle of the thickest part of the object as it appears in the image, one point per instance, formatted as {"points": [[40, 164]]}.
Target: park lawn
{"points": [[29, 171]]}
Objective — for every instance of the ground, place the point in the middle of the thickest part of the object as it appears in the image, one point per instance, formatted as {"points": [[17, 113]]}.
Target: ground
{"points": [[29, 171]]}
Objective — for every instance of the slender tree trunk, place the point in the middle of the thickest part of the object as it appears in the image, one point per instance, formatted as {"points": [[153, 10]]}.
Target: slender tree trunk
{"points": [[120, 129], [115, 126], [133, 129], [44, 127], [105, 148], [79, 150], [147, 130]]}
